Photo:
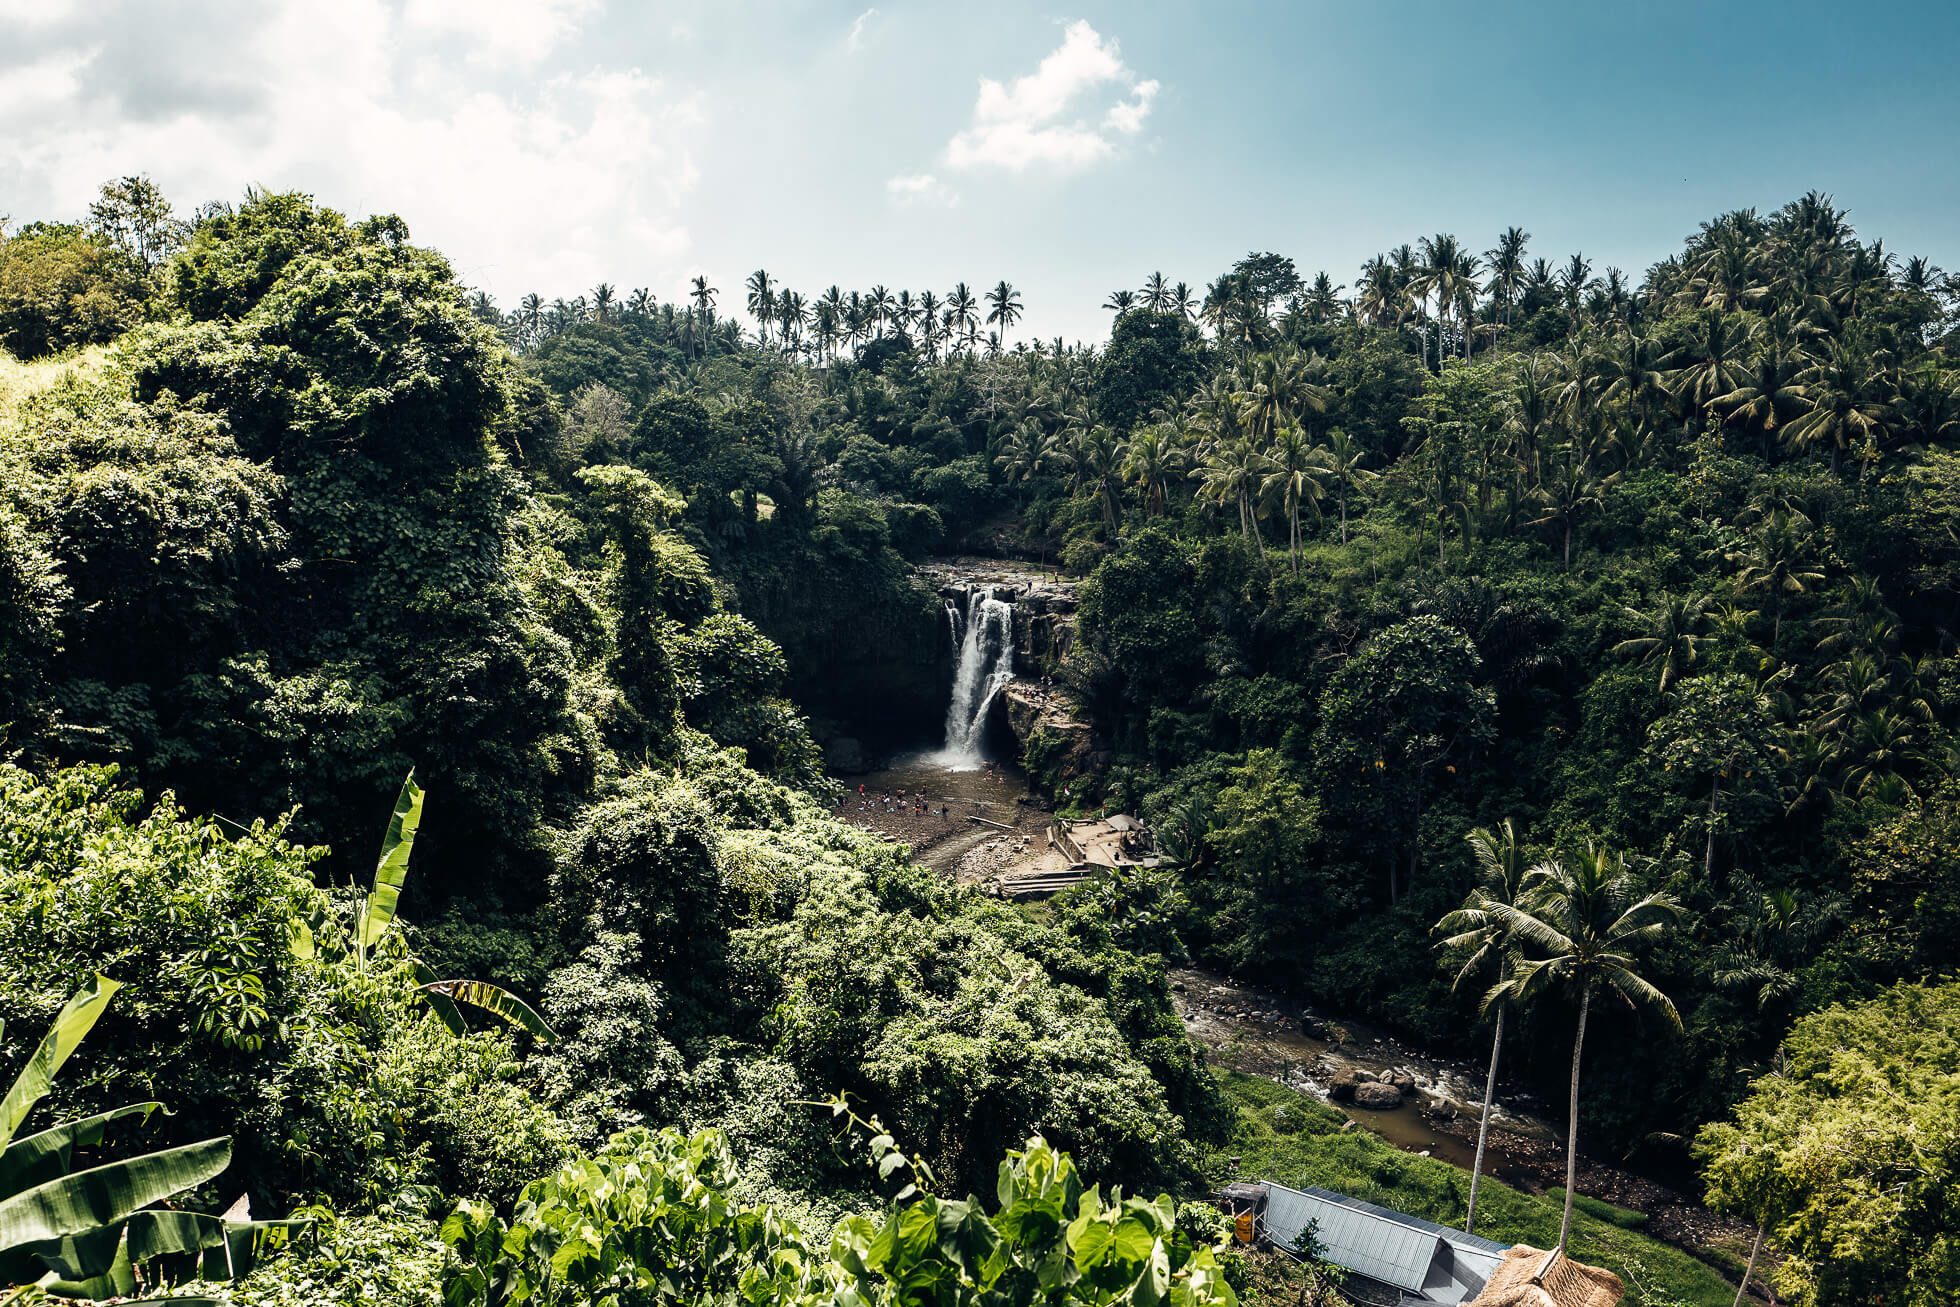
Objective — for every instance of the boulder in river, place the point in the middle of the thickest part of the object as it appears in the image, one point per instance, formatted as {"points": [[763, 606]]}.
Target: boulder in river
{"points": [[1377, 1097], [1341, 1088], [1403, 1082], [1440, 1108]]}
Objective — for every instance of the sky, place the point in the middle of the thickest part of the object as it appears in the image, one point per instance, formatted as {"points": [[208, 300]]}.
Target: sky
{"points": [[548, 145]]}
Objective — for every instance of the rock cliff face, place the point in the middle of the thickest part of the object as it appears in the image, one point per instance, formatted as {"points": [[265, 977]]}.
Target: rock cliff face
{"points": [[1057, 745], [1044, 606]]}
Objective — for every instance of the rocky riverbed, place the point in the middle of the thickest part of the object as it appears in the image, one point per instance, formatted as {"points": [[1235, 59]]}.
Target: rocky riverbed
{"points": [[1421, 1104]]}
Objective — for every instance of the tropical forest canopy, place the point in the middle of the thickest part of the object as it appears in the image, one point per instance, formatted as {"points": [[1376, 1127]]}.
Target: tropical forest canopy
{"points": [[1662, 569]]}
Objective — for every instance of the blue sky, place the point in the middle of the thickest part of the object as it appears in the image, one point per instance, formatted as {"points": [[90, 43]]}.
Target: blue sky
{"points": [[550, 144]]}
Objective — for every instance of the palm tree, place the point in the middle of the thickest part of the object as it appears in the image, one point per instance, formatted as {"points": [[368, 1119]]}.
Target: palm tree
{"points": [[1293, 476], [1378, 293], [1184, 301], [640, 303], [1442, 275], [1488, 937], [1843, 388], [1770, 396], [1004, 308], [1341, 456], [1156, 293], [877, 310], [602, 301], [1573, 279], [1672, 635], [1279, 392], [1713, 363], [703, 296], [1574, 485], [1151, 457], [1119, 302], [1506, 264], [1776, 560], [965, 311], [762, 301], [1321, 302], [1585, 918]]}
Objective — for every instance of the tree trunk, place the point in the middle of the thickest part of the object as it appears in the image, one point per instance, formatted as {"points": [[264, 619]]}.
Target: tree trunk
{"points": [[1572, 1129], [1568, 544], [1750, 1269], [1343, 512], [1483, 1126], [1708, 856]]}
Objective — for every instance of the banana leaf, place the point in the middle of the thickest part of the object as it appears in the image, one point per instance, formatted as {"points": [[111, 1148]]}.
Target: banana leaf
{"points": [[41, 1157], [75, 1021], [491, 998], [103, 1195], [378, 912]]}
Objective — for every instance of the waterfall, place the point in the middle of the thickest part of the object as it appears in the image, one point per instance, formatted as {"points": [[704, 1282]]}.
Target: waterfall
{"points": [[985, 638]]}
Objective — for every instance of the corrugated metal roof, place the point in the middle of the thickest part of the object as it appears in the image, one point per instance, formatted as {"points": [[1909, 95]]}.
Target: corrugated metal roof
{"points": [[1437, 1263]]}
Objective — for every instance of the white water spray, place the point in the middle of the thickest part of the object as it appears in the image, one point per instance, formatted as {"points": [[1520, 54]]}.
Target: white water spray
{"points": [[985, 637]]}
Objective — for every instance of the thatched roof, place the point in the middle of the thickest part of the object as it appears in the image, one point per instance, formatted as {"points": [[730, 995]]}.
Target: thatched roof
{"points": [[1532, 1277]]}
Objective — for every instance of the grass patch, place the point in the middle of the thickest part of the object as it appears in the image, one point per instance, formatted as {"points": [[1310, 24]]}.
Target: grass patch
{"points": [[1623, 1217], [1295, 1140]]}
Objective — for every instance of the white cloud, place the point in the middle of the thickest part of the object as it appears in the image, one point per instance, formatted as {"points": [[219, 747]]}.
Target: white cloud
{"points": [[505, 31], [922, 189], [534, 182], [1050, 115], [856, 37]]}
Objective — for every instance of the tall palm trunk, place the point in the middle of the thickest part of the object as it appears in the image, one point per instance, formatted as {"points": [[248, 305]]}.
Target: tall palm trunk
{"points": [[1708, 854], [1483, 1126], [1572, 1129]]}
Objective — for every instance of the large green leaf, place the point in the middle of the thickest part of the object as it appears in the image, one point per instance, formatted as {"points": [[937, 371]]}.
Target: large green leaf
{"points": [[378, 912], [102, 1195], [41, 1157], [491, 998], [75, 1021]]}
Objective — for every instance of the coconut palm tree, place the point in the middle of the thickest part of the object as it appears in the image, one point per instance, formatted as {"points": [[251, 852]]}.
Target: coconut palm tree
{"points": [[1231, 472], [877, 310], [1771, 395], [1487, 938], [1151, 457], [1847, 405], [1777, 560], [966, 312], [1573, 485], [1441, 275], [1184, 301], [1585, 919], [1341, 456], [1671, 635], [1506, 264], [1120, 302], [1156, 293], [1004, 308], [1714, 362], [1573, 279], [1293, 477], [762, 301], [703, 296]]}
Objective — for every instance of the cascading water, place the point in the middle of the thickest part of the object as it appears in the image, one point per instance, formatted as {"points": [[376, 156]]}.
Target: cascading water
{"points": [[984, 635]]}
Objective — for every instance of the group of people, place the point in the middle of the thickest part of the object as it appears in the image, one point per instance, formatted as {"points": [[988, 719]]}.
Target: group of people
{"points": [[915, 803]]}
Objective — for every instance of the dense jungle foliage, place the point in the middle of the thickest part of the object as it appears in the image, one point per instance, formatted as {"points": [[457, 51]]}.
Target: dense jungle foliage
{"points": [[1665, 572]]}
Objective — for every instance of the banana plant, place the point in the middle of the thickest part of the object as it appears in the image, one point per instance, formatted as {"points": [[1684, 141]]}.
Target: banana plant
{"points": [[375, 921], [96, 1232]]}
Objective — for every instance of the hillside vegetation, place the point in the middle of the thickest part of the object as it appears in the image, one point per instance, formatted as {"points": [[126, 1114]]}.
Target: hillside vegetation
{"points": [[1661, 572]]}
